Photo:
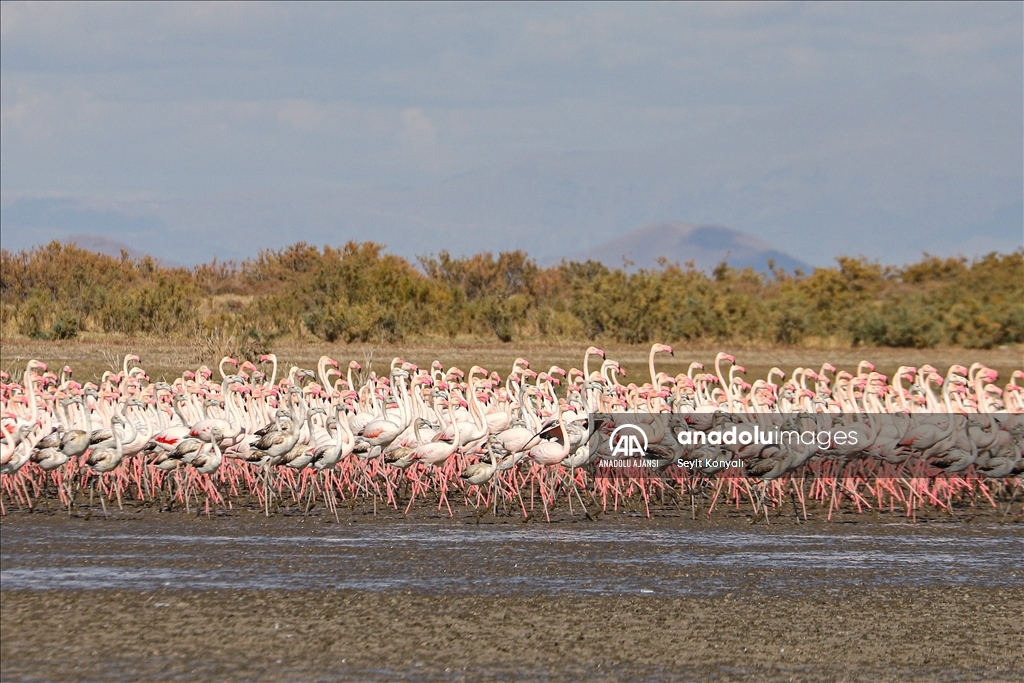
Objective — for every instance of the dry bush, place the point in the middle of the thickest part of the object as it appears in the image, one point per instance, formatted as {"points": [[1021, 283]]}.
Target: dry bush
{"points": [[359, 294]]}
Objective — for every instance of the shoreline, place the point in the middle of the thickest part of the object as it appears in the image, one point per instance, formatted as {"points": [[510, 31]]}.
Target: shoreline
{"points": [[166, 596], [1009, 513]]}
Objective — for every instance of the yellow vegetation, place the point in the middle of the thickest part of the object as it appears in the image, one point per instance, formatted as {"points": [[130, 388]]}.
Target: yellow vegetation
{"points": [[357, 293]]}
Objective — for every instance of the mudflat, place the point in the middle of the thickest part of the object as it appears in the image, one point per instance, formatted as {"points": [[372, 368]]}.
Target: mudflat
{"points": [[923, 634], [152, 596]]}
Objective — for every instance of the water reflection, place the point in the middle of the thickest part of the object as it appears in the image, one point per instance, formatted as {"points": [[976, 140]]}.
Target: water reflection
{"points": [[435, 558]]}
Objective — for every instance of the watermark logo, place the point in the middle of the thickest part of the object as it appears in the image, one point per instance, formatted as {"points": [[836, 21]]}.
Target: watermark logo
{"points": [[626, 440], [748, 444]]}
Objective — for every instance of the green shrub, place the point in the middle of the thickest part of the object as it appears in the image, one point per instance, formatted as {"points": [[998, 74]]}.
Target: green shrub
{"points": [[358, 293]]}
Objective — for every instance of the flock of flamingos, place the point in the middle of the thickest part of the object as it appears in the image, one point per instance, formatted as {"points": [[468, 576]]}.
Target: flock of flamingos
{"points": [[518, 446]]}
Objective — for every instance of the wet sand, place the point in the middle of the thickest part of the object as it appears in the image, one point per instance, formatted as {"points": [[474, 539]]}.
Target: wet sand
{"points": [[948, 634], [145, 596]]}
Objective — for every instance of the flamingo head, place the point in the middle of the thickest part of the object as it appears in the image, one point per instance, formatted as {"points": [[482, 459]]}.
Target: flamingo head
{"points": [[595, 351], [663, 348]]}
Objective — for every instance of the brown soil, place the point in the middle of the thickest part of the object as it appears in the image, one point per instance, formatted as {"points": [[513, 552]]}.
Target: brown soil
{"points": [[910, 635]]}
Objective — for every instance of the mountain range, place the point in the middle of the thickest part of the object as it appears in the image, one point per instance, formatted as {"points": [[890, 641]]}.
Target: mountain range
{"points": [[705, 246]]}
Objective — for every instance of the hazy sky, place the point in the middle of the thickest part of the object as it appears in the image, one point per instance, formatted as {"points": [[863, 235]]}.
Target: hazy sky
{"points": [[198, 129]]}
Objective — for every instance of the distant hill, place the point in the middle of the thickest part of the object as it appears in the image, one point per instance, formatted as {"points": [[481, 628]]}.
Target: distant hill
{"points": [[105, 245], [102, 245], [888, 173], [705, 245]]}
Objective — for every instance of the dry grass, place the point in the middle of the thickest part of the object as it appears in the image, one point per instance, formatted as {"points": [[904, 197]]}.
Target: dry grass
{"points": [[167, 358]]}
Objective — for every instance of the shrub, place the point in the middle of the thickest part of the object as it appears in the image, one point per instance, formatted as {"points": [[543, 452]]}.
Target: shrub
{"points": [[358, 293]]}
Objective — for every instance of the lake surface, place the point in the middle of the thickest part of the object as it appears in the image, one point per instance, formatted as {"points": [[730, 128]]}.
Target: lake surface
{"points": [[451, 558]]}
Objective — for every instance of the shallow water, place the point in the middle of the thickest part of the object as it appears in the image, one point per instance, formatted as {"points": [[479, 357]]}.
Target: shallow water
{"points": [[439, 558]]}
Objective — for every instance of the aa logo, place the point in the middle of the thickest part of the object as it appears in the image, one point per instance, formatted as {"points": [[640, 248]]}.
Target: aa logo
{"points": [[628, 441]]}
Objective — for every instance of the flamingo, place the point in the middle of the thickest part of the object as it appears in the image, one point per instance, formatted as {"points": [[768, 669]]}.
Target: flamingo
{"points": [[436, 452], [655, 349], [552, 452], [481, 472], [203, 429], [209, 458], [10, 461], [515, 420], [327, 456], [106, 459]]}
